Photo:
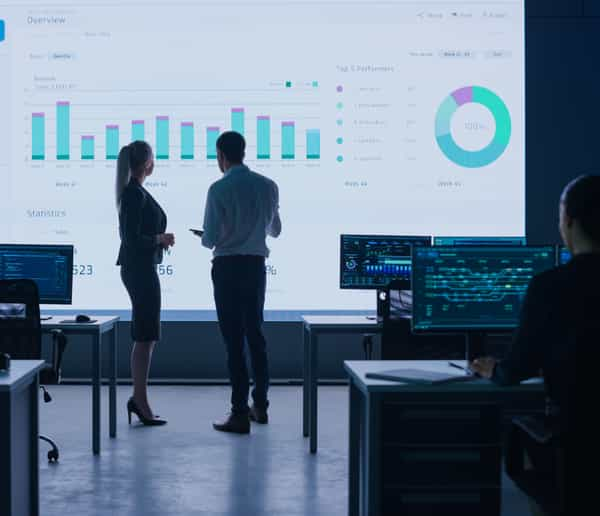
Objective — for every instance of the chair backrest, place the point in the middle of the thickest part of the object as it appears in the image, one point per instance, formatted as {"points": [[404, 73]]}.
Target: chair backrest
{"points": [[20, 327]]}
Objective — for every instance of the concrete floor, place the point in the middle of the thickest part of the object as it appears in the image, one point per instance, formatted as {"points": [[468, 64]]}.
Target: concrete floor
{"points": [[186, 468]]}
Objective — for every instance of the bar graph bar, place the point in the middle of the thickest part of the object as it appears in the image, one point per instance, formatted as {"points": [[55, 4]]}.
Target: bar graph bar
{"points": [[288, 140], [212, 133], [112, 141], [237, 120], [137, 130], [63, 129], [87, 147], [38, 136], [263, 137], [313, 144], [162, 137], [187, 140]]}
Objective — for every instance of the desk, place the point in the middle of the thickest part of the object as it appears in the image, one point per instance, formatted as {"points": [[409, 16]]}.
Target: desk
{"points": [[19, 468], [312, 327], [95, 330], [428, 449]]}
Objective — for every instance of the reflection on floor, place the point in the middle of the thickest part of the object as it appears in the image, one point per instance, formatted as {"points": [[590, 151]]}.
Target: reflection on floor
{"points": [[186, 468]]}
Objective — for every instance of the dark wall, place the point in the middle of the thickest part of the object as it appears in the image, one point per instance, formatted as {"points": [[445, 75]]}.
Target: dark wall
{"points": [[563, 141], [563, 104]]}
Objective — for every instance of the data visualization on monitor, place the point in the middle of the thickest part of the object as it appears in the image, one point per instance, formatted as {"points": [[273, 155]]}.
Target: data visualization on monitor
{"points": [[371, 262], [480, 241], [50, 266], [373, 117], [473, 288]]}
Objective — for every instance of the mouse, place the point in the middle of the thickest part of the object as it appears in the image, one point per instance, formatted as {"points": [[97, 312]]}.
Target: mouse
{"points": [[82, 318]]}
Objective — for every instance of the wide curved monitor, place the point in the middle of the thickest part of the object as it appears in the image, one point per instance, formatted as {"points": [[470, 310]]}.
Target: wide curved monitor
{"points": [[462, 289]]}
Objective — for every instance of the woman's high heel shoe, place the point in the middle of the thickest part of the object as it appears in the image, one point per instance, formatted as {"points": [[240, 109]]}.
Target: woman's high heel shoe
{"points": [[133, 408]]}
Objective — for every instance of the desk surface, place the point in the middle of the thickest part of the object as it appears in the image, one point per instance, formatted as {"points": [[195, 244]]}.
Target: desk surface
{"points": [[20, 371], [336, 321], [102, 323], [358, 369]]}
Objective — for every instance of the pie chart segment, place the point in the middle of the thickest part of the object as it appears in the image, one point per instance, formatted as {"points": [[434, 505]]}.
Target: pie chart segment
{"points": [[448, 145]]}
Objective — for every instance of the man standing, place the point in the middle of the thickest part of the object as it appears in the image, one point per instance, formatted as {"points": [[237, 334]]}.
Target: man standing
{"points": [[242, 208]]}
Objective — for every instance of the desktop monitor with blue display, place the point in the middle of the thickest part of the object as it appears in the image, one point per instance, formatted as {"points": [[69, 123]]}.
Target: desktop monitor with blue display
{"points": [[473, 289], [50, 266], [487, 241], [372, 261]]}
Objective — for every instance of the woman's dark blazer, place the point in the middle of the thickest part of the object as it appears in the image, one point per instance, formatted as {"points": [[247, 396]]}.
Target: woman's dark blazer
{"points": [[141, 219]]}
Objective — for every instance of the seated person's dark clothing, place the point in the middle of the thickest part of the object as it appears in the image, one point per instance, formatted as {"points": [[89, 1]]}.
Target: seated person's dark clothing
{"points": [[561, 310], [560, 324]]}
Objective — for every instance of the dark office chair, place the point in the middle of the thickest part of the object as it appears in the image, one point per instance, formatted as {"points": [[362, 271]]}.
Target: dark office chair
{"points": [[537, 455], [21, 336], [399, 343], [535, 461]]}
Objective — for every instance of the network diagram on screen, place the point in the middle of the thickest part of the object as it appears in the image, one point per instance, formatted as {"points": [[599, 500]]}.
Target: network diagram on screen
{"points": [[389, 118], [466, 288]]}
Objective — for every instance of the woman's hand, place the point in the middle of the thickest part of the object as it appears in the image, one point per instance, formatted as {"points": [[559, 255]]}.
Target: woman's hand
{"points": [[166, 240], [484, 366]]}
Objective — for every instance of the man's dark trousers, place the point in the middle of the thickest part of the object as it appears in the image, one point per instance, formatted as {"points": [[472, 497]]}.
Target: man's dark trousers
{"points": [[239, 287]]}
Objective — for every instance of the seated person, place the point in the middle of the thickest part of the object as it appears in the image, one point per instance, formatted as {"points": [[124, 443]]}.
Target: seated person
{"points": [[561, 311]]}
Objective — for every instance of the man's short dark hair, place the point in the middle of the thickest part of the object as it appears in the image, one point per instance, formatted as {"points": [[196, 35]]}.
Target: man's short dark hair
{"points": [[581, 198], [232, 145]]}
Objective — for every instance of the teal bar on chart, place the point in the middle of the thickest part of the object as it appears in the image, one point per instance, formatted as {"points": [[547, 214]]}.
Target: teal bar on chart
{"points": [[187, 140], [63, 129], [263, 137], [212, 133], [237, 120], [112, 141], [288, 140], [87, 147], [38, 136], [313, 144], [162, 137], [137, 130]]}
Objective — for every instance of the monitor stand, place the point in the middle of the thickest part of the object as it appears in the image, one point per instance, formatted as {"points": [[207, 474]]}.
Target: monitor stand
{"points": [[474, 345]]}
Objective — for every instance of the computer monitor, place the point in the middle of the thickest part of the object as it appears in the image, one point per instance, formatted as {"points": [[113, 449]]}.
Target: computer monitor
{"points": [[473, 289], [488, 240], [372, 261], [563, 255], [50, 266]]}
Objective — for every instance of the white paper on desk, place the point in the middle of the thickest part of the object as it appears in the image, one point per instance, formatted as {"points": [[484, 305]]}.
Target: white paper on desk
{"points": [[419, 376]]}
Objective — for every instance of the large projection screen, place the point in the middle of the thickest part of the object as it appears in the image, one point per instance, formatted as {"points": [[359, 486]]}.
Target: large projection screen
{"points": [[395, 117]]}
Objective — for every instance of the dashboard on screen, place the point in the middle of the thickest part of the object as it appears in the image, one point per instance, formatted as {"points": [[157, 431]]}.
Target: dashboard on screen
{"points": [[50, 266], [391, 118], [371, 261], [474, 288]]}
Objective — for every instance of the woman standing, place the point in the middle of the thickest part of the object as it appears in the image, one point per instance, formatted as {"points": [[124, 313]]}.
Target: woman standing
{"points": [[142, 225]]}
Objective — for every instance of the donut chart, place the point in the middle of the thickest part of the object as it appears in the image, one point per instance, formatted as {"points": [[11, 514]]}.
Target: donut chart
{"points": [[491, 152]]}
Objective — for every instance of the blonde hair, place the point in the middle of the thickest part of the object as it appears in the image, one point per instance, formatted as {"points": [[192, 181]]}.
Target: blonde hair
{"points": [[131, 161], [123, 174]]}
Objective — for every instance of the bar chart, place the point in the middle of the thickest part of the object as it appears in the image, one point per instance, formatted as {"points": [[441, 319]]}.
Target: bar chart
{"points": [[269, 137]]}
